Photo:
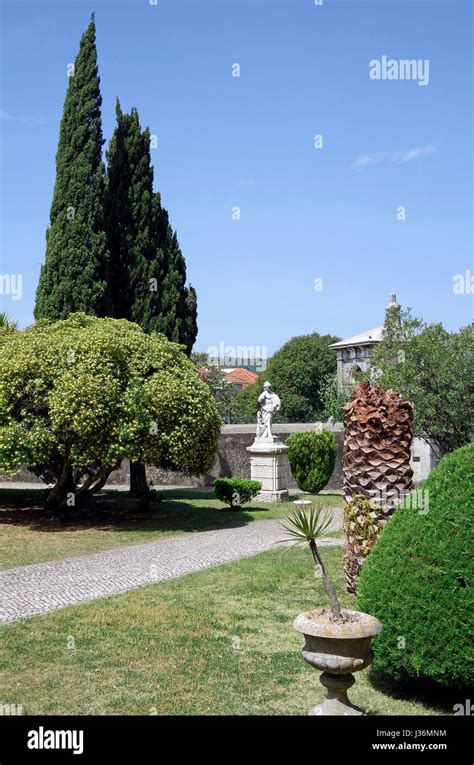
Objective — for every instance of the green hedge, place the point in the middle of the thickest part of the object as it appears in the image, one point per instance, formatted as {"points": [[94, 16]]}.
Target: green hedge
{"points": [[418, 580], [235, 492], [312, 456]]}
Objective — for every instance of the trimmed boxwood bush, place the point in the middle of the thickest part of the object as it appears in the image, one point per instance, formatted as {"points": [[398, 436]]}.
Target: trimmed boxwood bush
{"points": [[312, 456], [235, 492], [418, 579]]}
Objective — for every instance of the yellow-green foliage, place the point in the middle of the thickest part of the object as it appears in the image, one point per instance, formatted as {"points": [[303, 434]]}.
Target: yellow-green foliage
{"points": [[97, 390]]}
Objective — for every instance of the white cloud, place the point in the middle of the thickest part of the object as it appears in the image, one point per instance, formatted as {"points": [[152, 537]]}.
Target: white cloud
{"points": [[22, 119], [396, 157]]}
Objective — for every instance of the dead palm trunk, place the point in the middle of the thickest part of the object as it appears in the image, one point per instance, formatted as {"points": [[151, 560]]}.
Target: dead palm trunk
{"points": [[377, 450]]}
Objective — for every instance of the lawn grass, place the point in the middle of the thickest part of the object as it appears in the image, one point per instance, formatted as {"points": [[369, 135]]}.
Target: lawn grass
{"points": [[217, 642], [28, 534]]}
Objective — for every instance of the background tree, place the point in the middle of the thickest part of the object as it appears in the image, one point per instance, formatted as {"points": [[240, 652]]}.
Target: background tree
{"points": [[296, 373], [223, 392], [177, 318], [7, 324], [80, 395], [74, 274], [432, 368], [147, 268], [133, 224], [245, 405], [200, 358], [335, 394]]}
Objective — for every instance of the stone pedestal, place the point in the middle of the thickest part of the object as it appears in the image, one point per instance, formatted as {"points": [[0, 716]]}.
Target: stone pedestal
{"points": [[269, 465]]}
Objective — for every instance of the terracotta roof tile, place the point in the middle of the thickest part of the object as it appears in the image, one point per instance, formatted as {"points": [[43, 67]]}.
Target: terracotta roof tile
{"points": [[240, 376]]}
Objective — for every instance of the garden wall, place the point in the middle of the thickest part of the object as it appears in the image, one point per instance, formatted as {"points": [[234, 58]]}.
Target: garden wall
{"points": [[232, 459]]}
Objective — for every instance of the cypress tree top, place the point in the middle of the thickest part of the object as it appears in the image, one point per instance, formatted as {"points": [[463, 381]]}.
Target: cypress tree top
{"points": [[73, 277]]}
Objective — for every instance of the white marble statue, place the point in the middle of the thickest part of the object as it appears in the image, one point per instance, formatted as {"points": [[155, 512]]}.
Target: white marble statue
{"points": [[269, 402]]}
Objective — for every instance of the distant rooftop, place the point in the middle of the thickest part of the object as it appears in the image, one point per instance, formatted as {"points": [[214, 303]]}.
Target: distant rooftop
{"points": [[371, 335], [365, 338], [240, 376]]}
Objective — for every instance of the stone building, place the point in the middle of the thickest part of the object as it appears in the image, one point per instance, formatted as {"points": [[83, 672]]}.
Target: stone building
{"points": [[354, 353]]}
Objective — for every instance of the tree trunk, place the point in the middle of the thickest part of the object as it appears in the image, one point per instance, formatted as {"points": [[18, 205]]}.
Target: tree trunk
{"points": [[64, 485], [94, 483], [139, 488], [56, 499]]}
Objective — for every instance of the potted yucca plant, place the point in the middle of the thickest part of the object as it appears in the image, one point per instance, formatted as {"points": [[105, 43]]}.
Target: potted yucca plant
{"points": [[337, 640]]}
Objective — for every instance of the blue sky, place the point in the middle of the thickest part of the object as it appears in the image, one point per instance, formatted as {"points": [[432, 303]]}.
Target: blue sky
{"points": [[248, 141]]}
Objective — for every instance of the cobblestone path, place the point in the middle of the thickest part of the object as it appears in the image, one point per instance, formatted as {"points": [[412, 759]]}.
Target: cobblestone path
{"points": [[42, 587]]}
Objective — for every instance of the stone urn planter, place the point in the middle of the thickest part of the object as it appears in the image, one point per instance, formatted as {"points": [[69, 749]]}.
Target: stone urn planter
{"points": [[337, 639], [337, 648]]}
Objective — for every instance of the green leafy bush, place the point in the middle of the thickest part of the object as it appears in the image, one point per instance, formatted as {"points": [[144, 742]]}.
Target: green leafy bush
{"points": [[335, 394], [312, 456], [418, 579], [235, 492]]}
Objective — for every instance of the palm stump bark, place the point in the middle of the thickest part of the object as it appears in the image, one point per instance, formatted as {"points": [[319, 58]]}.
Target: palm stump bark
{"points": [[377, 472]]}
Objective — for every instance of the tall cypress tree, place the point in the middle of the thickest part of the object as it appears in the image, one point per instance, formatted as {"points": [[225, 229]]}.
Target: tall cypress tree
{"points": [[131, 219], [74, 275], [147, 269]]}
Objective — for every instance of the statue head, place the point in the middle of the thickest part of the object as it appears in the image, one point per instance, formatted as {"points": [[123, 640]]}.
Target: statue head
{"points": [[267, 386]]}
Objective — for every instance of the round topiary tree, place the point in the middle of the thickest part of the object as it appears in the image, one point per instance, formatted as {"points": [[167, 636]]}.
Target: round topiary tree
{"points": [[79, 395], [312, 456], [418, 579]]}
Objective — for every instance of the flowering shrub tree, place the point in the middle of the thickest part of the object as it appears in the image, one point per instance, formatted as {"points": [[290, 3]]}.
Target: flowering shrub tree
{"points": [[79, 395]]}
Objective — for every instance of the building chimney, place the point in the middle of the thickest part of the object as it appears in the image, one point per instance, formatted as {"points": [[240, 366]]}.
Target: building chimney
{"points": [[392, 300]]}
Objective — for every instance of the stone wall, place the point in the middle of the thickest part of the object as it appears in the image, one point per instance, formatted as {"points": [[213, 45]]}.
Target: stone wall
{"points": [[423, 460], [233, 459]]}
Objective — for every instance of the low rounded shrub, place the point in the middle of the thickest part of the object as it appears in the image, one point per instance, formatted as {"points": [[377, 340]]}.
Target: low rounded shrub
{"points": [[418, 579], [312, 456], [235, 492]]}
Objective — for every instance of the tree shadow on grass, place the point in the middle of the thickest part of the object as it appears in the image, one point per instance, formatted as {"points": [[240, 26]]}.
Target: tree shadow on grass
{"points": [[428, 693], [170, 510], [116, 511]]}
